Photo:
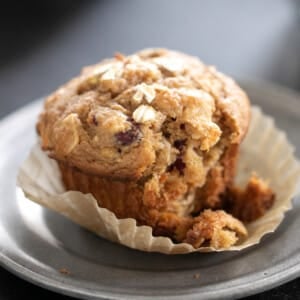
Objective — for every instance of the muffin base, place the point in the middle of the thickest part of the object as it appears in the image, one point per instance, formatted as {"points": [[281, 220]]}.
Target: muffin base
{"points": [[126, 199]]}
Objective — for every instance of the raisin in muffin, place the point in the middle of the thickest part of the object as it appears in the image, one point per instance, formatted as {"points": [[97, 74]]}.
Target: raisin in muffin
{"points": [[155, 136]]}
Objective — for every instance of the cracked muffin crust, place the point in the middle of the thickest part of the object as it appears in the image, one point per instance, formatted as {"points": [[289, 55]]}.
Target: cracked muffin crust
{"points": [[155, 136]]}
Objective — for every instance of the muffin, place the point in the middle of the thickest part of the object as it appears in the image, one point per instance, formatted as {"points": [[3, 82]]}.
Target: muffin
{"points": [[155, 136]]}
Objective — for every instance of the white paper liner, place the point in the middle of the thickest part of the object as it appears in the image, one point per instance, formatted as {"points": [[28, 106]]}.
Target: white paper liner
{"points": [[265, 150]]}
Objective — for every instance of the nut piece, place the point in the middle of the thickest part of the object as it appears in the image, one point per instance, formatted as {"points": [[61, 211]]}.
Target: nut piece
{"points": [[144, 113]]}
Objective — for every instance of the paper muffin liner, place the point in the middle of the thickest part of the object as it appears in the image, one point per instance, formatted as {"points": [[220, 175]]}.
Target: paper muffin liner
{"points": [[265, 151]]}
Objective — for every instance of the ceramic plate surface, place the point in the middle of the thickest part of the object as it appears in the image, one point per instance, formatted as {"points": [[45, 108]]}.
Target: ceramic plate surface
{"points": [[40, 246]]}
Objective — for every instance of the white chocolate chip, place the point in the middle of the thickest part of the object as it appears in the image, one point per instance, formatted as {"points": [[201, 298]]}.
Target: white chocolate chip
{"points": [[144, 113]]}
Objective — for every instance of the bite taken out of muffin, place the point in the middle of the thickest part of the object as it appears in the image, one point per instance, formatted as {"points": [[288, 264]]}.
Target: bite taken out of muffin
{"points": [[155, 136]]}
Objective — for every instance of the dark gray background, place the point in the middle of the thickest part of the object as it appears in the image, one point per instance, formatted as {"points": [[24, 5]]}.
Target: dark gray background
{"points": [[43, 44]]}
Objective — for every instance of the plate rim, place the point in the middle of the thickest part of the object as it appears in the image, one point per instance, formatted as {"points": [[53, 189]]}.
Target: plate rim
{"points": [[85, 293]]}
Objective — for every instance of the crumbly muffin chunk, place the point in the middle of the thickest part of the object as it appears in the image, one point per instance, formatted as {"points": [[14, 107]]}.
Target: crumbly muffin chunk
{"points": [[158, 124], [216, 229]]}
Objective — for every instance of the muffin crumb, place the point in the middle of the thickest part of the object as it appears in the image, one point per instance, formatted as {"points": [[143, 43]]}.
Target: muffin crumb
{"points": [[64, 271], [249, 203]]}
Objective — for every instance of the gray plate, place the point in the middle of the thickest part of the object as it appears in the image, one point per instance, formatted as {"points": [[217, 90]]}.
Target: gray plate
{"points": [[36, 243]]}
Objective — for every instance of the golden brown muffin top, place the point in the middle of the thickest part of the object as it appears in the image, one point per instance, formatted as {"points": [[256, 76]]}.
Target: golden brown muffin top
{"points": [[150, 112]]}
